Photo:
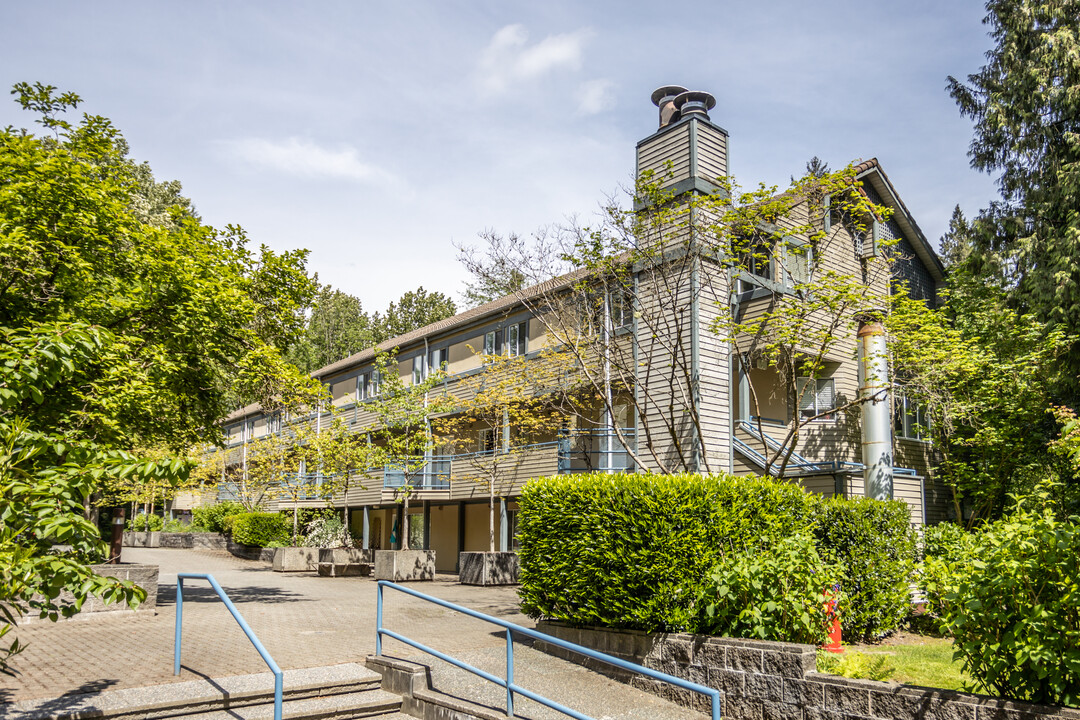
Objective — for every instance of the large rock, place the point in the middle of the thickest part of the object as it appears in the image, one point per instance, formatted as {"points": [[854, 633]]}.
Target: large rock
{"points": [[488, 568], [404, 565]]}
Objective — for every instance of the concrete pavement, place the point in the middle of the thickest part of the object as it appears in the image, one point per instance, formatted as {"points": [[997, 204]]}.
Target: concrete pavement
{"points": [[304, 621]]}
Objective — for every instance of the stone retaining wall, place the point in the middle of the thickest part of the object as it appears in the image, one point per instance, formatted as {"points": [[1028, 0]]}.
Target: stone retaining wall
{"points": [[250, 552], [761, 680]]}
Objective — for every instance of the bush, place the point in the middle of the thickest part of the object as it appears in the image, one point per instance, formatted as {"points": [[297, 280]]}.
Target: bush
{"points": [[328, 532], [853, 664], [773, 591], [945, 540], [260, 529], [1011, 600], [175, 525], [143, 523], [210, 518], [636, 551], [874, 545]]}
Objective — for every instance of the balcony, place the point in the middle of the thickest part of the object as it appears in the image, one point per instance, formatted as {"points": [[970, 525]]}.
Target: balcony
{"points": [[596, 451]]}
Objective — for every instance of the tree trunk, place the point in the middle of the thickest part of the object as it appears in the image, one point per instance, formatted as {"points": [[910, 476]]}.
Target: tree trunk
{"points": [[491, 518], [295, 522], [405, 523]]}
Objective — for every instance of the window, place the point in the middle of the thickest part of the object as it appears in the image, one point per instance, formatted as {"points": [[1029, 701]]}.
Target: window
{"points": [[486, 441], [755, 258], [515, 340], [816, 396], [621, 307], [513, 530], [361, 387], [439, 359], [911, 418], [797, 260], [372, 384], [493, 343], [419, 371]]}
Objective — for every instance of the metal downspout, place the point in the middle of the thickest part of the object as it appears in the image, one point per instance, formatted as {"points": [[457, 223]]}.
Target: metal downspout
{"points": [[876, 425]]}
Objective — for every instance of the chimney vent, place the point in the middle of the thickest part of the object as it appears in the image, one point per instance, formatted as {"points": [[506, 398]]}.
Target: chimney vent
{"points": [[664, 98], [694, 102]]}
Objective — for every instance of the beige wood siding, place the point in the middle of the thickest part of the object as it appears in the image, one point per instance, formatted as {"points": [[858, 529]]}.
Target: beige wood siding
{"points": [[711, 152], [673, 146]]}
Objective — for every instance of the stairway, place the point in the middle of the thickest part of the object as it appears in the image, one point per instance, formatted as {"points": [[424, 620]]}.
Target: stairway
{"points": [[337, 692]]}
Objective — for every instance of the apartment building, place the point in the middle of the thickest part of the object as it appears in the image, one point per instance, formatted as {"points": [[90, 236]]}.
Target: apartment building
{"points": [[672, 393]]}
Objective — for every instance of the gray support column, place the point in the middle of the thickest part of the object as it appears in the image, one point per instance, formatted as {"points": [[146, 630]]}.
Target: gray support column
{"points": [[876, 421], [460, 535], [399, 513], [427, 525], [367, 528], [504, 529], [744, 391]]}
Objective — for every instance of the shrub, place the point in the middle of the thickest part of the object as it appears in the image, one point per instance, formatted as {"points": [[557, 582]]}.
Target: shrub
{"points": [[260, 529], [210, 518], [328, 532], [1011, 600], [143, 523], [635, 551], [945, 540], [175, 525], [874, 546], [771, 591]]}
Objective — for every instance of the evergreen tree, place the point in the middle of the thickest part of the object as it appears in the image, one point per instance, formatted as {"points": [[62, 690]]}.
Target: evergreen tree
{"points": [[1026, 111], [956, 242]]}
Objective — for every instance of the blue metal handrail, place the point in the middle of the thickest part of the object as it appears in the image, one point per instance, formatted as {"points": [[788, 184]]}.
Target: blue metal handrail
{"points": [[511, 628], [240, 621]]}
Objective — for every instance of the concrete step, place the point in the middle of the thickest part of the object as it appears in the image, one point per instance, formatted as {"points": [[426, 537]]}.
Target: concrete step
{"points": [[205, 695], [345, 706]]}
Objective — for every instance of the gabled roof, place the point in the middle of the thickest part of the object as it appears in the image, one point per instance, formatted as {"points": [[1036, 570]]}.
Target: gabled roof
{"points": [[872, 172]]}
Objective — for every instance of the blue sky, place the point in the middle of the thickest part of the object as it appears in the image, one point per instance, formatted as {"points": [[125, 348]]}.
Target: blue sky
{"points": [[378, 134]]}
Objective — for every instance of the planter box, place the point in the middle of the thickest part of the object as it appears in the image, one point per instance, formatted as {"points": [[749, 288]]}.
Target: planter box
{"points": [[191, 540], [296, 559], [142, 539], [488, 568], [250, 552], [404, 565], [344, 562]]}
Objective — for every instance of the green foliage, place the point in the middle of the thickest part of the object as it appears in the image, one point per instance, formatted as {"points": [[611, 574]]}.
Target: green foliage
{"points": [[854, 664], [770, 591], [636, 551], [176, 525], [1011, 601], [260, 529], [945, 540], [143, 522], [413, 310], [1025, 113], [211, 518], [874, 546], [328, 532], [337, 328]]}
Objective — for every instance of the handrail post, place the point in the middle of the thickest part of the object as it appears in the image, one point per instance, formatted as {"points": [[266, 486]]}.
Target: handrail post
{"points": [[179, 624], [378, 619], [509, 673]]}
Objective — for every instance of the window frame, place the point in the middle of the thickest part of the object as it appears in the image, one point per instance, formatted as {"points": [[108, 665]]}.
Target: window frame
{"points": [[826, 414]]}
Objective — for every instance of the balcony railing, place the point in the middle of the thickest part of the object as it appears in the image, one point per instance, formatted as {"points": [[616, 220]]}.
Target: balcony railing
{"points": [[432, 475], [596, 451]]}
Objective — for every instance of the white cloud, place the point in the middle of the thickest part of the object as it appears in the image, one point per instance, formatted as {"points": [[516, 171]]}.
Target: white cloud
{"points": [[304, 158], [595, 96], [509, 58]]}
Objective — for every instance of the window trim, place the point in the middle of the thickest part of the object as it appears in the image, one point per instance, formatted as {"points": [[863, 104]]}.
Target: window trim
{"points": [[800, 396]]}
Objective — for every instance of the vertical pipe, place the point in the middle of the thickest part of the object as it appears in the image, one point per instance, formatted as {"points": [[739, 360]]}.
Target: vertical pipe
{"points": [[116, 544], [876, 423], [277, 694], [179, 624], [509, 673], [378, 618], [504, 530]]}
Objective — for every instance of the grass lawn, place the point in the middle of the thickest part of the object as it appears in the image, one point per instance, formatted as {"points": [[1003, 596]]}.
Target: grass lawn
{"points": [[919, 660]]}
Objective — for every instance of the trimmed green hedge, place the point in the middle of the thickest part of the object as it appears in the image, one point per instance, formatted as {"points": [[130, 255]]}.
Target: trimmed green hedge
{"points": [[641, 551], [210, 518], [260, 529], [873, 545]]}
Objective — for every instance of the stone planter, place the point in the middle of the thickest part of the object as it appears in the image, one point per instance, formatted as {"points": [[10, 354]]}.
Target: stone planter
{"points": [[250, 552], [142, 539], [344, 562], [296, 559], [190, 540], [488, 568], [404, 565], [145, 576]]}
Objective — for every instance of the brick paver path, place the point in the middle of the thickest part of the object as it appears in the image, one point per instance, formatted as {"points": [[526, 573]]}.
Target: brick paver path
{"points": [[303, 620]]}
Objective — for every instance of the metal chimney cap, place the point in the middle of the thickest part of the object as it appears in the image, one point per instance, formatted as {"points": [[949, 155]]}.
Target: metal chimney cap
{"points": [[668, 91], [696, 100]]}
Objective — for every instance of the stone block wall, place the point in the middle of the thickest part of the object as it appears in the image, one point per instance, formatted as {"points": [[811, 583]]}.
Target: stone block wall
{"points": [[145, 576], [176, 541], [761, 680]]}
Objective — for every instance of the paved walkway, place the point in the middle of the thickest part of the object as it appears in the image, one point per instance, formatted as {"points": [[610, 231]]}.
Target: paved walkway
{"points": [[302, 619]]}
